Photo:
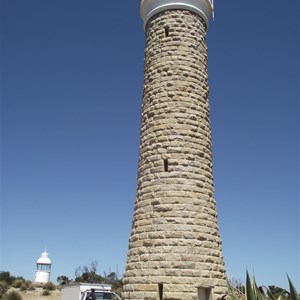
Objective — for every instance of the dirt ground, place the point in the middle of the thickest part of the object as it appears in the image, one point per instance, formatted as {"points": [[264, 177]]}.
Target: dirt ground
{"points": [[37, 295]]}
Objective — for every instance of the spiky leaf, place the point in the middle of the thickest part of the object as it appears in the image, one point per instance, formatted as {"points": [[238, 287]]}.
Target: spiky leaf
{"points": [[249, 292], [256, 291], [293, 292], [270, 295], [281, 296]]}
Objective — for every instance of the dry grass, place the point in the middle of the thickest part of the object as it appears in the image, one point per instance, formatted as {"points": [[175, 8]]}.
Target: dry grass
{"points": [[37, 295]]}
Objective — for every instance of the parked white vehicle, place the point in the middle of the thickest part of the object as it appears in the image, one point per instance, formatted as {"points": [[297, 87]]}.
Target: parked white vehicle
{"points": [[87, 291]]}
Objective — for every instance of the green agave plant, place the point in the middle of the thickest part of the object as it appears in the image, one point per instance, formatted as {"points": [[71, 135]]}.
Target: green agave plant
{"points": [[253, 292]]}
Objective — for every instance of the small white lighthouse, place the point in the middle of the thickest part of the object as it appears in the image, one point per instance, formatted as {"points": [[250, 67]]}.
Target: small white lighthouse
{"points": [[43, 268]]}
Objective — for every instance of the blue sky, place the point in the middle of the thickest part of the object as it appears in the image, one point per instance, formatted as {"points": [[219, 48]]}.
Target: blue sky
{"points": [[71, 89]]}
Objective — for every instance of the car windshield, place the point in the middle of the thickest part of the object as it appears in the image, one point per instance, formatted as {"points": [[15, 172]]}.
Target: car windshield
{"points": [[103, 295]]}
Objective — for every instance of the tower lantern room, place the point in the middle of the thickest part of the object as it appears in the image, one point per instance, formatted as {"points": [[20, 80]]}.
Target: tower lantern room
{"points": [[43, 268]]}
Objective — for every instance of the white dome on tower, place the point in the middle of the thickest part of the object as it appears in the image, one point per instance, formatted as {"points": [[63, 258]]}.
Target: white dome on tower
{"points": [[44, 259]]}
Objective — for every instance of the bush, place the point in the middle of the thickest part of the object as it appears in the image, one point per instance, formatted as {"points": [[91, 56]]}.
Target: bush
{"points": [[3, 288], [17, 283], [23, 287], [46, 293], [12, 295], [49, 286], [31, 287]]}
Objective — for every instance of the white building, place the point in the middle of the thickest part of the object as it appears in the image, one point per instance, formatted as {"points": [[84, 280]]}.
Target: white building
{"points": [[43, 268]]}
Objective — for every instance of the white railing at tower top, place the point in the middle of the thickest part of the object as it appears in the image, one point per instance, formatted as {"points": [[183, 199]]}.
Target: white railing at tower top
{"points": [[203, 8]]}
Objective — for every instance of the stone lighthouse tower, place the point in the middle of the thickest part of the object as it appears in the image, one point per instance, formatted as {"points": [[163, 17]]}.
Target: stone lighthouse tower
{"points": [[175, 247]]}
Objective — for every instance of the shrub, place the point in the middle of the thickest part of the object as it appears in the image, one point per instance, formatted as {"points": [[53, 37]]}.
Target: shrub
{"points": [[23, 287], [31, 287], [49, 286], [3, 288], [13, 295], [17, 283], [46, 293]]}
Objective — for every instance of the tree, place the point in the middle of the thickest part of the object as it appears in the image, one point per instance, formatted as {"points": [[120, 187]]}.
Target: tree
{"points": [[237, 284], [111, 277], [88, 274], [6, 277], [116, 283], [62, 279]]}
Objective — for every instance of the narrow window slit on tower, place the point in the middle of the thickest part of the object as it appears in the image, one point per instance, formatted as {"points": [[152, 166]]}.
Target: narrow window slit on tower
{"points": [[161, 291], [167, 31], [166, 165]]}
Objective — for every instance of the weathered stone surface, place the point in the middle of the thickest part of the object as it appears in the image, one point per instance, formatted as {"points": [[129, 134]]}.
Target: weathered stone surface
{"points": [[175, 237]]}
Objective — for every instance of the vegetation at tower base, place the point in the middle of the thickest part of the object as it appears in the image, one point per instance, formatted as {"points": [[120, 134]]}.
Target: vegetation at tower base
{"points": [[255, 292], [250, 291]]}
